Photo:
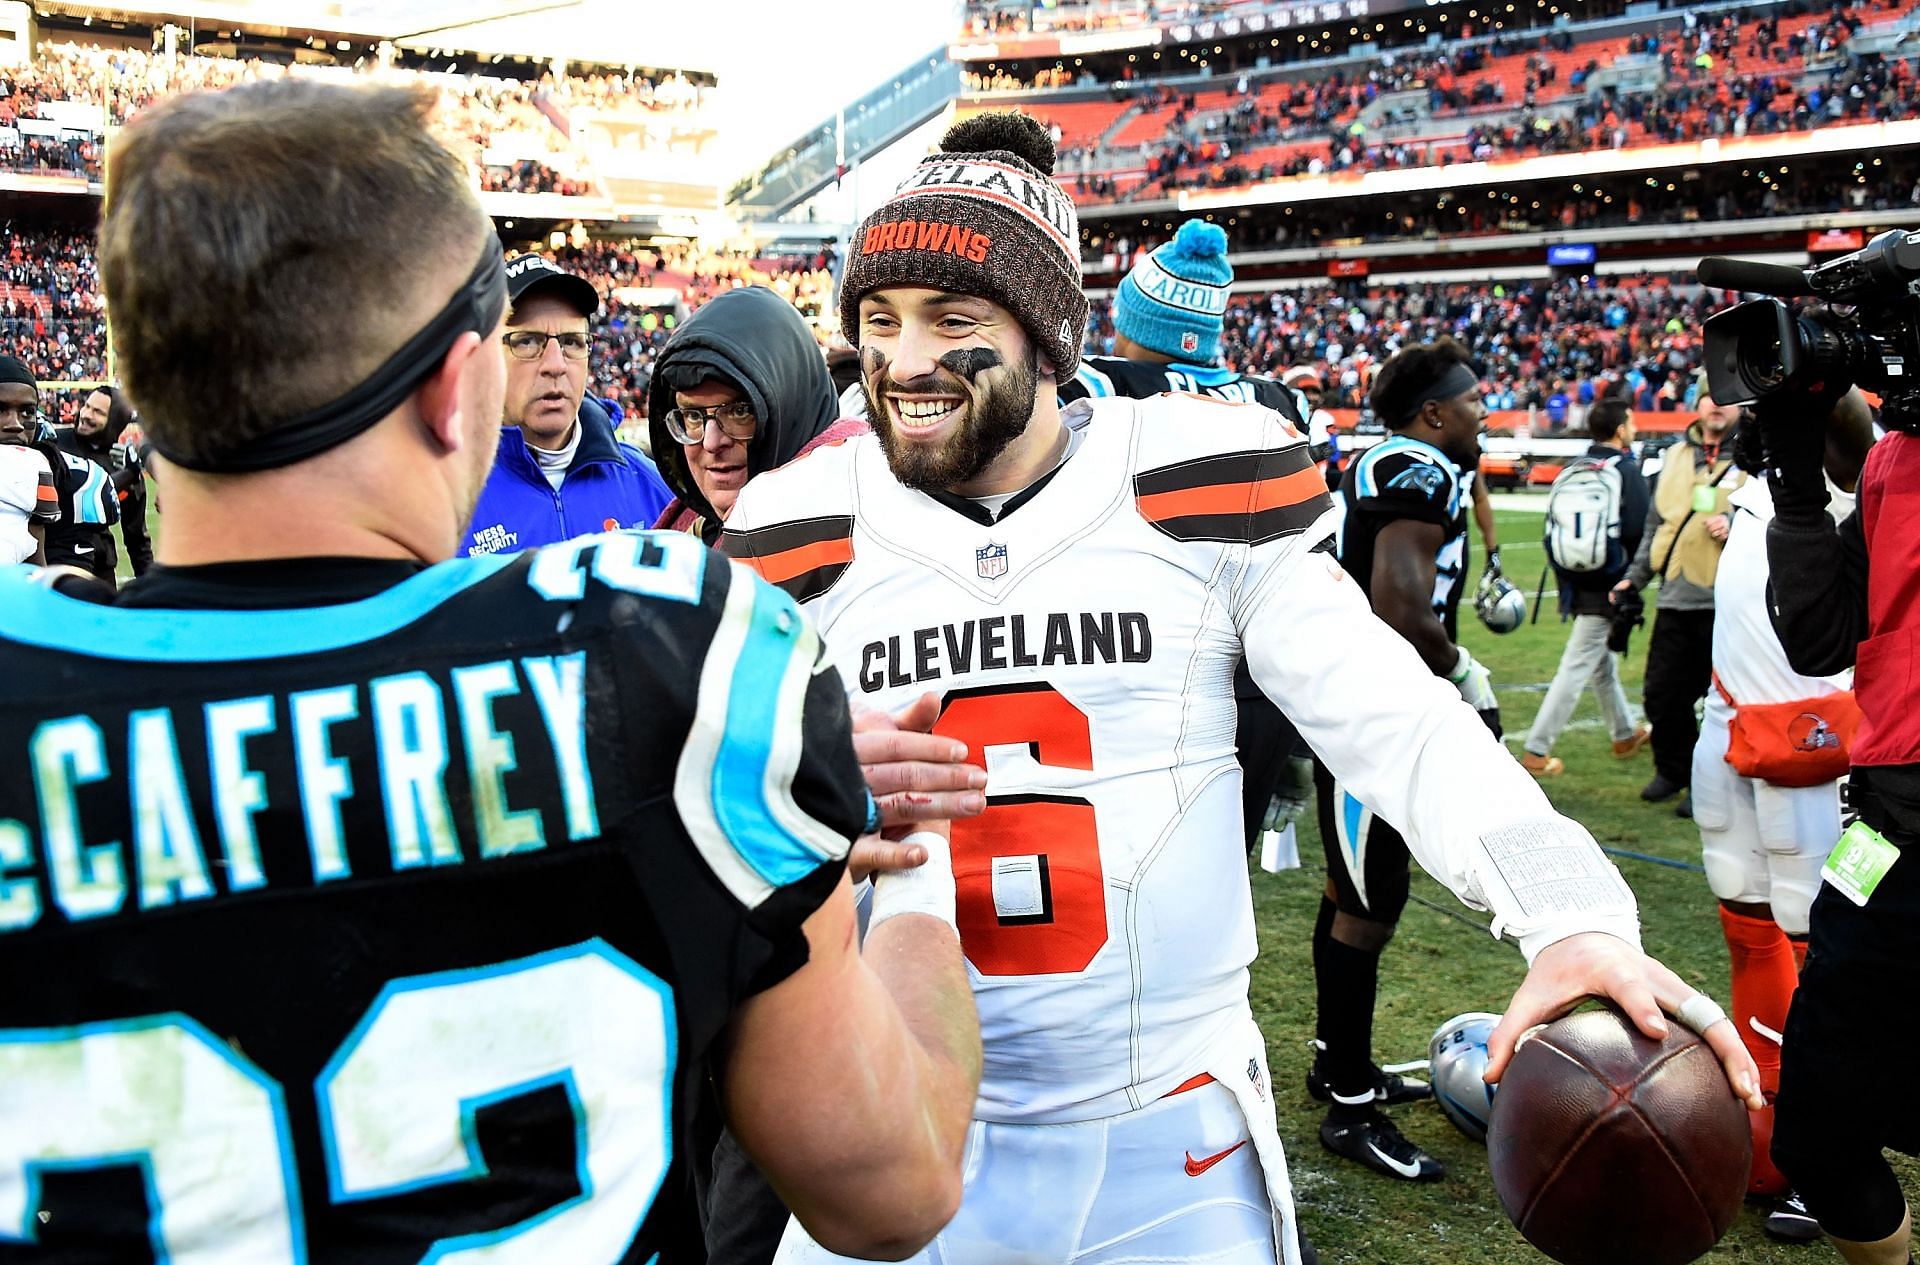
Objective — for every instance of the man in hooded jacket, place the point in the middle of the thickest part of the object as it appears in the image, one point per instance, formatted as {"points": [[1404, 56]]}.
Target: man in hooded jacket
{"points": [[741, 388]]}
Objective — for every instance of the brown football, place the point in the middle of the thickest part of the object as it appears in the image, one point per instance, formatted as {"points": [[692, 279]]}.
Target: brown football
{"points": [[1607, 1146]]}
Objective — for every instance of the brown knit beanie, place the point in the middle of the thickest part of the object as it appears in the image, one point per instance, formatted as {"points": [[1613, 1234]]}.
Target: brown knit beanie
{"points": [[985, 217]]}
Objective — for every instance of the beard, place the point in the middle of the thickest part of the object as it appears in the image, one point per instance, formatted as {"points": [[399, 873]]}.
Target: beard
{"points": [[999, 407]]}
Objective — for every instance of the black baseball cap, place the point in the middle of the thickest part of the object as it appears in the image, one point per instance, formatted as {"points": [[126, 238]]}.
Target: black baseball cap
{"points": [[526, 273]]}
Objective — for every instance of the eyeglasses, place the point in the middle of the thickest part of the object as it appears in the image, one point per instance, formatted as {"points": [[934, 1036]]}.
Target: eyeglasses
{"points": [[689, 425], [531, 344]]}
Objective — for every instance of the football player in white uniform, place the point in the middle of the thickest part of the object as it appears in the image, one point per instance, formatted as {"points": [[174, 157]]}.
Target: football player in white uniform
{"points": [[1079, 588]]}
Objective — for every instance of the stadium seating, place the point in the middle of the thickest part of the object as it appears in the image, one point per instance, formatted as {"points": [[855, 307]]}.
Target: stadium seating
{"points": [[1483, 102]]}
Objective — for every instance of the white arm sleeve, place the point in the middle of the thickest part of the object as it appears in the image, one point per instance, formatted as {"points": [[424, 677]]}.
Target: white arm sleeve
{"points": [[1401, 740]]}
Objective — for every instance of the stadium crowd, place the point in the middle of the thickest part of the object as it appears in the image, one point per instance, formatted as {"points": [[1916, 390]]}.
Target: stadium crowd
{"points": [[1869, 185], [476, 111], [1508, 94], [1554, 347], [1539, 340], [1203, 154]]}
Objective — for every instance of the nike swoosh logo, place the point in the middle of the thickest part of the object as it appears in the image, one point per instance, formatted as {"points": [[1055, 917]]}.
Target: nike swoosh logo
{"points": [[1197, 1167], [1404, 1169], [83, 548]]}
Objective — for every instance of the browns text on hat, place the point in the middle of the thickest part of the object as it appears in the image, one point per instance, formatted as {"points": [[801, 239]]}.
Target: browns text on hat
{"points": [[528, 273]]}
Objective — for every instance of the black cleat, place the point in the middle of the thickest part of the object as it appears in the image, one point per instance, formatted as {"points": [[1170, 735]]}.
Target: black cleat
{"points": [[1388, 1087], [1685, 807], [1789, 1220], [1660, 789], [1372, 1140]]}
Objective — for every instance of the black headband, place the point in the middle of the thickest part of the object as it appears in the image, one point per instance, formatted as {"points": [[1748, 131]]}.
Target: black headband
{"points": [[475, 307], [1457, 380]]}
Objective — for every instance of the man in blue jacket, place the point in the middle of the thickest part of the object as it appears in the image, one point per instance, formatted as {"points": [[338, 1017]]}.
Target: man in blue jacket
{"points": [[560, 472]]}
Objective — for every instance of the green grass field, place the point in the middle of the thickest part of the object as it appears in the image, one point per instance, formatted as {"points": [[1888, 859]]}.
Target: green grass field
{"points": [[1442, 962]]}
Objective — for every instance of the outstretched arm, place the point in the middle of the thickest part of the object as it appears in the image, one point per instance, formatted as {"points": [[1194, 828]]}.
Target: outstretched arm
{"points": [[1405, 744]]}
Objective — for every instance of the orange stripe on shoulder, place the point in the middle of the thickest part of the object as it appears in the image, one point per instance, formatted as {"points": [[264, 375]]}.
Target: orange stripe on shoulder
{"points": [[779, 567]]}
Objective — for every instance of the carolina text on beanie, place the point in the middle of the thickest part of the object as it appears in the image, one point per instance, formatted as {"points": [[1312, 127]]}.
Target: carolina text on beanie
{"points": [[1175, 300], [983, 216]]}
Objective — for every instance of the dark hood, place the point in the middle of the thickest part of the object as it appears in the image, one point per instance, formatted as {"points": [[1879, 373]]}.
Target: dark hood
{"points": [[754, 339]]}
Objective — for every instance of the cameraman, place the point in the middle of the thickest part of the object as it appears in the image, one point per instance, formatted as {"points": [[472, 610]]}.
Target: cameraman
{"points": [[1844, 1093]]}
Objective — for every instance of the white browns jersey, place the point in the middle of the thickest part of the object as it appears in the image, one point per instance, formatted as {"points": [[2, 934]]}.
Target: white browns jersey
{"points": [[1084, 647], [27, 495], [1747, 654]]}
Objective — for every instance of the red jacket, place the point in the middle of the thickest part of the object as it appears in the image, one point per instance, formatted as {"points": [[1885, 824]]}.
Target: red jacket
{"points": [[1888, 667]]}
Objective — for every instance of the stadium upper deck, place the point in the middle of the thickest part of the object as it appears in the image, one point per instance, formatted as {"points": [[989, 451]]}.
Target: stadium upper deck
{"points": [[545, 137], [1475, 136]]}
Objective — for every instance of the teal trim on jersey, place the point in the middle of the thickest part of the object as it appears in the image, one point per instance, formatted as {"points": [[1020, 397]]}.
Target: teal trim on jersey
{"points": [[1353, 813], [753, 721], [34, 615], [1205, 375], [1368, 486], [89, 503], [1098, 384]]}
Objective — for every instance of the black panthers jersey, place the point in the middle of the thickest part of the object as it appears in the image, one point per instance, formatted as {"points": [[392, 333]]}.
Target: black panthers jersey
{"points": [[1100, 376], [399, 929], [1402, 477]]}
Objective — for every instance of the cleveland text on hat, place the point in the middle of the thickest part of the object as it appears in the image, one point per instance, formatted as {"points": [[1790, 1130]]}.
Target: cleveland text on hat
{"points": [[1040, 199]]}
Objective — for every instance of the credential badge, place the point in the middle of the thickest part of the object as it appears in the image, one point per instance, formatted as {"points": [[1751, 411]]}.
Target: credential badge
{"points": [[990, 561]]}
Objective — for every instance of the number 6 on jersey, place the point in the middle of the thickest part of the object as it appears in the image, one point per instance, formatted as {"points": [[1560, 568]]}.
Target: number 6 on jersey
{"points": [[1031, 891]]}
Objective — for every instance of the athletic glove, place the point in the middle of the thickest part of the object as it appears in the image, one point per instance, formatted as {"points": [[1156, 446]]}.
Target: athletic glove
{"points": [[1793, 430], [1493, 564], [1474, 682]]}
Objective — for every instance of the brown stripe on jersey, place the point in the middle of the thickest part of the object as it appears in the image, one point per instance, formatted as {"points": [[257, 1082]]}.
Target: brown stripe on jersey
{"points": [[1226, 467], [1242, 497], [803, 557]]}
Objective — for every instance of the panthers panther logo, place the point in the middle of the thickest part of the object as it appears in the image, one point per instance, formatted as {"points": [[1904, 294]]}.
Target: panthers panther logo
{"points": [[1422, 477]]}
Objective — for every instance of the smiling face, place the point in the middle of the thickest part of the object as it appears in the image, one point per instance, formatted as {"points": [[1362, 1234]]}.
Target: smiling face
{"points": [[543, 395], [718, 463], [951, 381], [94, 414]]}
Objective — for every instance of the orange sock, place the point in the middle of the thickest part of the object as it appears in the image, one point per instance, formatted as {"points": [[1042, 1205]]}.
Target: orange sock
{"points": [[1764, 975]]}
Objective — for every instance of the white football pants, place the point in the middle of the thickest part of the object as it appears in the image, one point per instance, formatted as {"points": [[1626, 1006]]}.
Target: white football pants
{"points": [[1177, 1181]]}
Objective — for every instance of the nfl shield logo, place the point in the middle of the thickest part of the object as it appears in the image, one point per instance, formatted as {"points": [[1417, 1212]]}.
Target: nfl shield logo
{"points": [[991, 561], [1189, 341]]}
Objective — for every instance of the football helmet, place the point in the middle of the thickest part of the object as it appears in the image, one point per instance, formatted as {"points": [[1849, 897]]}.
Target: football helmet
{"points": [[1458, 1058], [1500, 606]]}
